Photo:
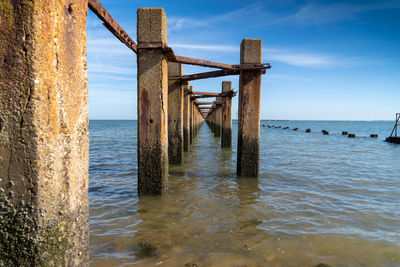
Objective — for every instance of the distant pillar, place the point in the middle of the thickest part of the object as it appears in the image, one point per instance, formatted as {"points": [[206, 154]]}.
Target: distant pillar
{"points": [[175, 114], [152, 101], [249, 109], [44, 144], [226, 135], [186, 119], [191, 117], [218, 118]]}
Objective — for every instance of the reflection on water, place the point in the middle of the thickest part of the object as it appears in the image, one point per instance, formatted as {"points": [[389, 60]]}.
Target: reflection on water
{"points": [[317, 199]]}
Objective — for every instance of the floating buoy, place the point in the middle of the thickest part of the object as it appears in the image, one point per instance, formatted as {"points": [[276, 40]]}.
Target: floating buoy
{"points": [[352, 135], [308, 131], [345, 133], [374, 136]]}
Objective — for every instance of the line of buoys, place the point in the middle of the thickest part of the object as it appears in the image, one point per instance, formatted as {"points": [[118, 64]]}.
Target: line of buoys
{"points": [[325, 132]]}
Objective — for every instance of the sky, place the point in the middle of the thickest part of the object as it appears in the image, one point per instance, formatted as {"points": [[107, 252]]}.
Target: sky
{"points": [[331, 60]]}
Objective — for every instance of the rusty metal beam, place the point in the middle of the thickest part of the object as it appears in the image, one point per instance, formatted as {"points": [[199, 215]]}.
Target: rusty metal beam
{"points": [[203, 63], [210, 74], [204, 103], [205, 107], [111, 24], [207, 93]]}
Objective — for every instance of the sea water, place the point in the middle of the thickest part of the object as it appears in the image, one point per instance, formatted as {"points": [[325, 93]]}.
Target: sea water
{"points": [[318, 199]]}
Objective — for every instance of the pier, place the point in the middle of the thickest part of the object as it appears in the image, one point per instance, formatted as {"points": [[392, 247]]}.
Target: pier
{"points": [[393, 138], [44, 143]]}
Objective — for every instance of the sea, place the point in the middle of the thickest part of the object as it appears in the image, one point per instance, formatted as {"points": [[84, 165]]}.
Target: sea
{"points": [[318, 199]]}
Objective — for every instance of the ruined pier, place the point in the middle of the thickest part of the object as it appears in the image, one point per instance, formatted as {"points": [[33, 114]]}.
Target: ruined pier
{"points": [[44, 147]]}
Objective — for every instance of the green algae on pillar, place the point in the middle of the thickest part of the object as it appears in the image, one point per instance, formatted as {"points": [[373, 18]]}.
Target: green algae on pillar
{"points": [[226, 135], [218, 117], [186, 119], [44, 145], [249, 110], [152, 101], [175, 114]]}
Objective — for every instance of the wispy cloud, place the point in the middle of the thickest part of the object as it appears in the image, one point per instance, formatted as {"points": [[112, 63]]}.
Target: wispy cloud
{"points": [[102, 68], [316, 13], [219, 48]]}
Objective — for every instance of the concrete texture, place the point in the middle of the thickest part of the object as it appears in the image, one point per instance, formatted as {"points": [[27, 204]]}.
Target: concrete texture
{"points": [[226, 134], [191, 117], [175, 114], [152, 102], [186, 119], [218, 118], [44, 133], [249, 110]]}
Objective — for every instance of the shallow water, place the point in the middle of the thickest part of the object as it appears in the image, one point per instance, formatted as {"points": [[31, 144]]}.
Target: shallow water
{"points": [[318, 198]]}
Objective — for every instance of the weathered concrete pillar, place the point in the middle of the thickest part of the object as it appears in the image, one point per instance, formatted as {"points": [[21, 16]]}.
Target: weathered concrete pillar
{"points": [[186, 119], [175, 114], [218, 118], [44, 149], [226, 135], [249, 109], [152, 101]]}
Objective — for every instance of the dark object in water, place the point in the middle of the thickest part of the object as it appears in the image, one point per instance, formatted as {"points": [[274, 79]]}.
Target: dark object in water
{"points": [[322, 265], [263, 125], [352, 135], [323, 131], [374, 136], [295, 129], [345, 133], [145, 250], [308, 131], [394, 138], [326, 133], [279, 126]]}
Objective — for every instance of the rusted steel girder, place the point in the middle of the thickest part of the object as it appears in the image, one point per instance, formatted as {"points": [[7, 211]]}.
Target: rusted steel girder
{"points": [[211, 64], [209, 94], [111, 24], [204, 103], [214, 74]]}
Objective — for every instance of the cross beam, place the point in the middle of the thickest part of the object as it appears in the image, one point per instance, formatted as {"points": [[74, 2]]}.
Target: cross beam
{"points": [[111, 24]]}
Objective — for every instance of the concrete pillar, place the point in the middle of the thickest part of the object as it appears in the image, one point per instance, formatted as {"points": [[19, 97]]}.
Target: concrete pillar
{"points": [[218, 118], [44, 148], [186, 119], [191, 117], [175, 114], [226, 135], [249, 109], [152, 101]]}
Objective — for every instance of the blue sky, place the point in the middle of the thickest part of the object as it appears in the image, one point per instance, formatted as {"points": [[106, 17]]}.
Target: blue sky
{"points": [[331, 60]]}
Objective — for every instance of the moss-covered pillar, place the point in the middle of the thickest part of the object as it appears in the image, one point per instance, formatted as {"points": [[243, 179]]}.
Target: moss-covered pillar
{"points": [[175, 114], [44, 149], [186, 119], [218, 117], [152, 101], [249, 109], [191, 117], [226, 135]]}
